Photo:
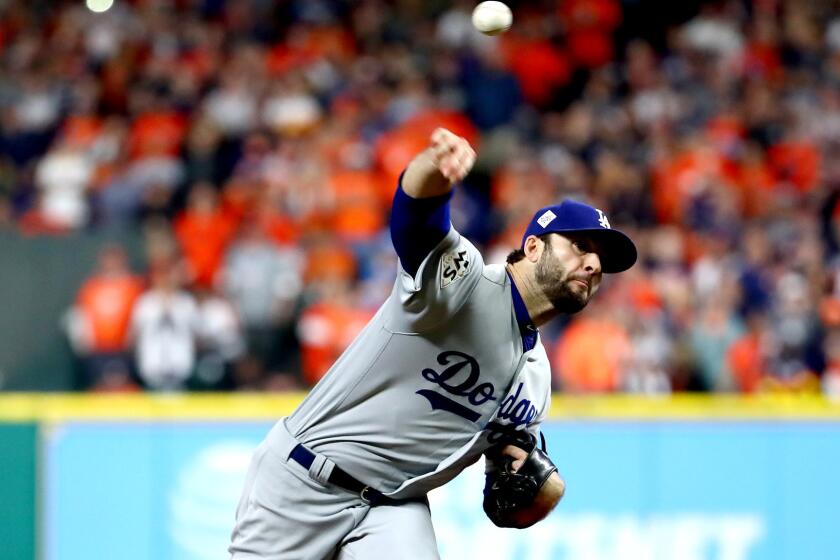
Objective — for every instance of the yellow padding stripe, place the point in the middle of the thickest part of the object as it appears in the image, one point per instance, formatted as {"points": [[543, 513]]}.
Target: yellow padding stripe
{"points": [[697, 407], [56, 406], [24, 407]]}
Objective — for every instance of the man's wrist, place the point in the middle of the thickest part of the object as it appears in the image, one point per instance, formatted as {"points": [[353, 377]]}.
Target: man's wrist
{"points": [[423, 179]]}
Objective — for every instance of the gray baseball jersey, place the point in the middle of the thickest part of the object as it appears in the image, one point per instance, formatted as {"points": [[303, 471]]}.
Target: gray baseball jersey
{"points": [[417, 397], [441, 361]]}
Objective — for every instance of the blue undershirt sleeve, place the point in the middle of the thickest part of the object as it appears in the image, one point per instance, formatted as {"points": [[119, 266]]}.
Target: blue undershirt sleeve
{"points": [[417, 226]]}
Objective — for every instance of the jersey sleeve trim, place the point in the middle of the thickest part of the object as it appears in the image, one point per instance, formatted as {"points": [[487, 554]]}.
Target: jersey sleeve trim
{"points": [[418, 225], [413, 282]]}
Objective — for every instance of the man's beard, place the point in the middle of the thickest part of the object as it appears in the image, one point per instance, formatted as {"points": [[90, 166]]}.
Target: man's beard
{"points": [[554, 281]]}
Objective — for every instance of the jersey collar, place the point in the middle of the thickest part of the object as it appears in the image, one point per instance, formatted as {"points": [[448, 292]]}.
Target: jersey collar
{"points": [[526, 327]]}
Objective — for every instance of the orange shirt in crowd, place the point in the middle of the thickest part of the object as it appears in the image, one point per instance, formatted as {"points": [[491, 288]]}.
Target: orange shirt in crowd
{"points": [[81, 130], [358, 214], [756, 182], [156, 134], [328, 261], [589, 355], [746, 363], [603, 15], [796, 162], [675, 180], [589, 26], [106, 303], [203, 239], [278, 227], [539, 66], [590, 48]]}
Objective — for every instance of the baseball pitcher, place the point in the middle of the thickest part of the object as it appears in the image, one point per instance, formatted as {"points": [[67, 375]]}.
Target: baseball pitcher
{"points": [[450, 368]]}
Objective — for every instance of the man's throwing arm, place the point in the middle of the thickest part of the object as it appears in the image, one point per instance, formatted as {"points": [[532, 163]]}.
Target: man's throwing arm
{"points": [[420, 212], [435, 170]]}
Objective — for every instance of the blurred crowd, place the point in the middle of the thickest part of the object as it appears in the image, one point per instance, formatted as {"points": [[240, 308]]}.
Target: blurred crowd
{"points": [[257, 143]]}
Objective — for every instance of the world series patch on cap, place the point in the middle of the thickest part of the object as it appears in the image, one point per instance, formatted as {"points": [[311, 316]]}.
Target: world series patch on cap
{"points": [[616, 251]]}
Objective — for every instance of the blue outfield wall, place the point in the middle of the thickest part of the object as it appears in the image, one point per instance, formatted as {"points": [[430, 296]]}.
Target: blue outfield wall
{"points": [[637, 490]]}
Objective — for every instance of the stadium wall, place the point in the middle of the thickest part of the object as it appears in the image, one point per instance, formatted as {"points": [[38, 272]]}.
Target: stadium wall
{"points": [[158, 476]]}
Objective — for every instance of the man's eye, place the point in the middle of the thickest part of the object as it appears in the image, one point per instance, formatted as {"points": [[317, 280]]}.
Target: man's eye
{"points": [[578, 247]]}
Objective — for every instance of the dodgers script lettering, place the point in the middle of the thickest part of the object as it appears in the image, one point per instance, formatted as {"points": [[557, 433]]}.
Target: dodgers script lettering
{"points": [[460, 378]]}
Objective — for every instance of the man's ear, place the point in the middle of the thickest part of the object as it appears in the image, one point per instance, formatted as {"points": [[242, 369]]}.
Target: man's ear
{"points": [[533, 248]]}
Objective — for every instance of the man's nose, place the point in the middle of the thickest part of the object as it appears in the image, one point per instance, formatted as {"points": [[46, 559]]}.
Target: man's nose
{"points": [[592, 263]]}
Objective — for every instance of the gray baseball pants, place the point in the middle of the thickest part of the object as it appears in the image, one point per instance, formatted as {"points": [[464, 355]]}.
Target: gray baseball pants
{"points": [[287, 513]]}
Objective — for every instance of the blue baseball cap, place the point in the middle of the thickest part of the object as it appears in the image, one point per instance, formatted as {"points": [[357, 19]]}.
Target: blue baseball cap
{"points": [[616, 251]]}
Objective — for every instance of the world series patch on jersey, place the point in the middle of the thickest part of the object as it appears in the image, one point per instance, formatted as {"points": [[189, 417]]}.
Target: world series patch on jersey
{"points": [[454, 265]]}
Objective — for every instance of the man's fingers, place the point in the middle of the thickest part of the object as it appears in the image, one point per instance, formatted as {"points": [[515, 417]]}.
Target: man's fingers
{"points": [[519, 455], [466, 158], [453, 155], [442, 149], [453, 170], [439, 134], [444, 142]]}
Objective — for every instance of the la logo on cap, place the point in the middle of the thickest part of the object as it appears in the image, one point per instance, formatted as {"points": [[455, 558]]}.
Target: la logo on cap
{"points": [[547, 217], [602, 220]]}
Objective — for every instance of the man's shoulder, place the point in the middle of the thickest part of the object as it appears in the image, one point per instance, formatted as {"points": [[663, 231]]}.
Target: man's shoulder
{"points": [[495, 273], [454, 258]]}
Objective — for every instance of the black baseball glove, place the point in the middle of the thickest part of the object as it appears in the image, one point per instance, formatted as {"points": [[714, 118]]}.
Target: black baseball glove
{"points": [[507, 492]]}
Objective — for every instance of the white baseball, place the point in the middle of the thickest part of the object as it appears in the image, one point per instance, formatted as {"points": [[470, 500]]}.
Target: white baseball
{"points": [[492, 18]]}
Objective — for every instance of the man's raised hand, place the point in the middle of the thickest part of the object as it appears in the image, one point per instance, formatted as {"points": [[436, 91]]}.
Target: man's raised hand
{"points": [[452, 154]]}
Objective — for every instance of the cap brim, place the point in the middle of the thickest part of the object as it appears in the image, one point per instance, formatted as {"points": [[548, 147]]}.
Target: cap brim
{"points": [[616, 251]]}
